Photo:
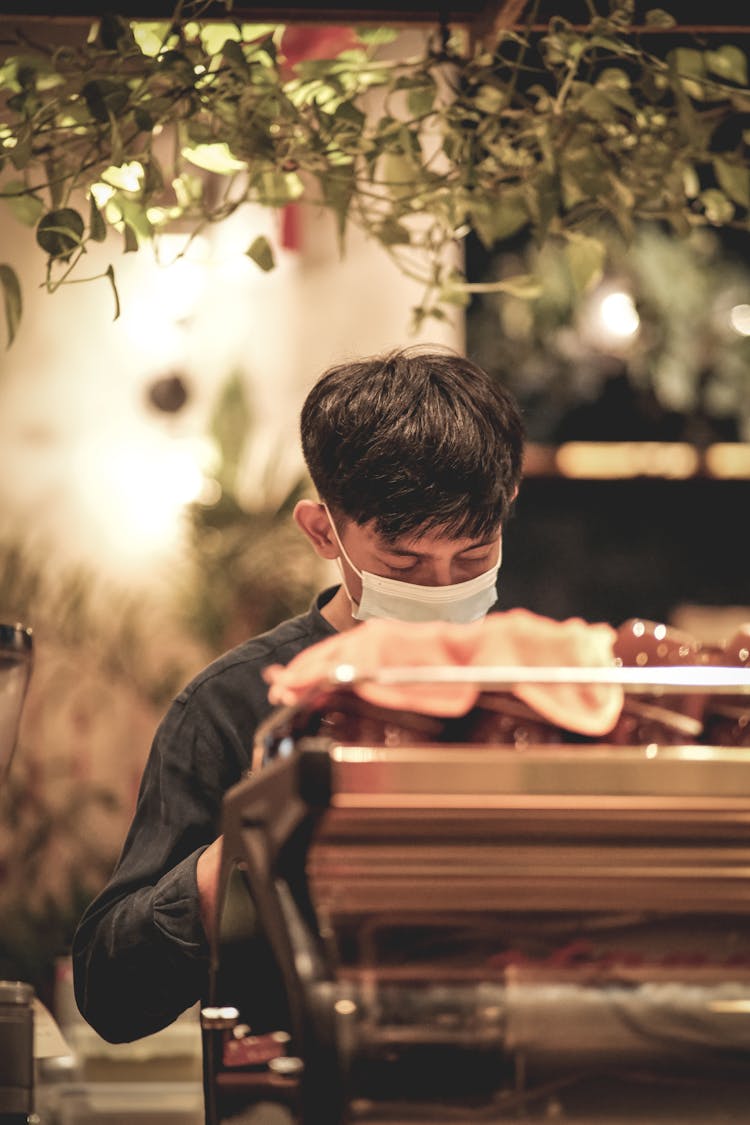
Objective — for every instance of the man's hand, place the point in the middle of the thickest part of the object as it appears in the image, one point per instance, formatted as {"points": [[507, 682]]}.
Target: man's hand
{"points": [[207, 876]]}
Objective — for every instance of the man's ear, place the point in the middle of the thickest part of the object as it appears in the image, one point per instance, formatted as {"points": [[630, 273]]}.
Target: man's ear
{"points": [[312, 520]]}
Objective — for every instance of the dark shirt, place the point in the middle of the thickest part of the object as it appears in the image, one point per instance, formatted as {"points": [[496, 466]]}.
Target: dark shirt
{"points": [[140, 954]]}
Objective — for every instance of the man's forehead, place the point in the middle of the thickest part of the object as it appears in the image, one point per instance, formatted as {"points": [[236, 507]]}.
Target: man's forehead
{"points": [[427, 541]]}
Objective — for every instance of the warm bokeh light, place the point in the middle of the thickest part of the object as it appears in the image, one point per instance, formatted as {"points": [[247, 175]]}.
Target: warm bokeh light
{"points": [[728, 460], [137, 486], [619, 315], [739, 318], [609, 318], [614, 460]]}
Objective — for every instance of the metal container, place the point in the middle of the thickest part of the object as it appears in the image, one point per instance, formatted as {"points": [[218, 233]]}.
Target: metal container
{"points": [[16, 1052]]}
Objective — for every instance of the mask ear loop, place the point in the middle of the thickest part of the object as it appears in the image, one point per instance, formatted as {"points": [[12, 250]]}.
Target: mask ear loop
{"points": [[340, 544], [354, 604]]}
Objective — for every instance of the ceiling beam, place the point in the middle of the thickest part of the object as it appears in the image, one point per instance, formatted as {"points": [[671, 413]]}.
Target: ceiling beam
{"points": [[709, 16]]}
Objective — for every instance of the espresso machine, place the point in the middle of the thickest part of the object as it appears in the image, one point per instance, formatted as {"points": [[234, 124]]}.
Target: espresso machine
{"points": [[487, 918], [16, 997]]}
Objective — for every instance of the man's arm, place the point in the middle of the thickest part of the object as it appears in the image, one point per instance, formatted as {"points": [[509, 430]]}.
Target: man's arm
{"points": [[140, 952], [207, 877]]}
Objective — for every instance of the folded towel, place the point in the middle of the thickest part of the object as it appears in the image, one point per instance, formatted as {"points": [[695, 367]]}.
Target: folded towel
{"points": [[517, 637]]}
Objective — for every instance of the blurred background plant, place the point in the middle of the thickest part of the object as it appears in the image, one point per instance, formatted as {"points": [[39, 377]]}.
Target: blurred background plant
{"points": [[657, 347], [252, 566]]}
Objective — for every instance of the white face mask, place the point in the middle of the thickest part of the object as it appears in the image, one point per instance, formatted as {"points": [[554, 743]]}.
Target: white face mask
{"points": [[461, 602]]}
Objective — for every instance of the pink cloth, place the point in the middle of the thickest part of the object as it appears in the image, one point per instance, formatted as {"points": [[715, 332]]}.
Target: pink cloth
{"points": [[516, 637]]}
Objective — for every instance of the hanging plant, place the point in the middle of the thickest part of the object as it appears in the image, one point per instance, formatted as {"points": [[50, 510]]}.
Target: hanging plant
{"points": [[148, 125]]}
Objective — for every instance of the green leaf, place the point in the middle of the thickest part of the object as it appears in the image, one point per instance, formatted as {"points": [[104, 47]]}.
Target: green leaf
{"points": [[455, 295], [234, 57], [254, 31], [276, 189], [583, 176], [421, 100], [585, 257], [542, 198], [728, 62], [134, 215], [115, 33], [733, 179], [150, 36], [26, 207], [376, 36], [691, 183], [23, 152], [153, 177], [597, 105], [338, 186], [397, 174], [688, 62], [613, 78], [110, 275], [105, 98], [216, 37], [215, 157], [12, 300], [261, 252], [125, 177], [490, 99], [60, 232], [143, 119], [180, 66], [229, 426], [393, 233], [495, 221], [657, 17], [130, 239], [97, 226], [718, 208]]}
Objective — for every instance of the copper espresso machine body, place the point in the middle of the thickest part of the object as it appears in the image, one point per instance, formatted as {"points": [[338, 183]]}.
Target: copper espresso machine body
{"points": [[418, 927]]}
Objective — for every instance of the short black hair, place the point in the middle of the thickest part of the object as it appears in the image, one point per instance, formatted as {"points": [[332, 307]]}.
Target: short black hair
{"points": [[416, 439]]}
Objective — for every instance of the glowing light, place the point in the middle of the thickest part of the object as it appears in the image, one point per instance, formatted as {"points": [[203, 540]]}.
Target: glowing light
{"points": [[728, 460], [614, 460], [741, 1006], [165, 299], [739, 318], [153, 484], [609, 319], [619, 315], [137, 486]]}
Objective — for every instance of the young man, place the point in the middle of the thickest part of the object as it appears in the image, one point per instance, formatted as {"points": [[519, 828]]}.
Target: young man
{"points": [[416, 457]]}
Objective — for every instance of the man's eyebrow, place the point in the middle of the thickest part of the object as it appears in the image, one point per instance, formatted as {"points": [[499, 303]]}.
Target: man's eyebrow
{"points": [[391, 549]]}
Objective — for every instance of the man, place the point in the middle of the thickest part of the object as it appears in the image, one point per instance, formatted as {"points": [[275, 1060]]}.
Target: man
{"points": [[416, 457]]}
